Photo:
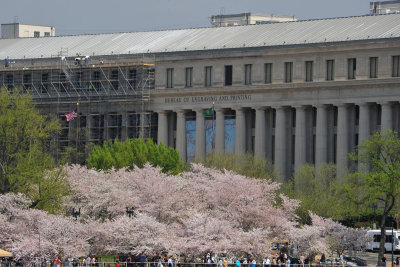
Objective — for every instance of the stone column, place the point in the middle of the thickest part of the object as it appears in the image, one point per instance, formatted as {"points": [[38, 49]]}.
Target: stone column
{"points": [[240, 131], [171, 119], [386, 120], [280, 142], [200, 135], [321, 136], [364, 123], [363, 129], [300, 155], [162, 129], [220, 131], [260, 138], [181, 134], [342, 149]]}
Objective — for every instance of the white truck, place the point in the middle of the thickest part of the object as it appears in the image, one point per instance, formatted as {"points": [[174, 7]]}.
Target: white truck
{"points": [[389, 239]]}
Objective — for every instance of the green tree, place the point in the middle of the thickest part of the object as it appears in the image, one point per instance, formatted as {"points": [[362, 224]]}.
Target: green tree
{"points": [[380, 177], [137, 152], [245, 164], [318, 191], [26, 140]]}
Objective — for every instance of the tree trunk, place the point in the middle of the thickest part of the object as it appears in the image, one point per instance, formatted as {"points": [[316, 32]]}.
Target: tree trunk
{"points": [[383, 235], [389, 202]]}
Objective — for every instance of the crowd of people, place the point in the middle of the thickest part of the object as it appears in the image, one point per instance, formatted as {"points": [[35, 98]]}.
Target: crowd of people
{"points": [[279, 259]]}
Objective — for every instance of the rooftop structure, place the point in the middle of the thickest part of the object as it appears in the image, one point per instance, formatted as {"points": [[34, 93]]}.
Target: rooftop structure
{"points": [[248, 19], [18, 30], [307, 32], [384, 7]]}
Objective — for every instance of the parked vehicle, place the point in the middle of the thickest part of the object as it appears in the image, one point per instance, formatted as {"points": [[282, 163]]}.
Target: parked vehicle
{"points": [[357, 261], [389, 240]]}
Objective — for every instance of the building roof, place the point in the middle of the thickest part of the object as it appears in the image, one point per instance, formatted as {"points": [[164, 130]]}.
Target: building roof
{"points": [[213, 38], [250, 14]]}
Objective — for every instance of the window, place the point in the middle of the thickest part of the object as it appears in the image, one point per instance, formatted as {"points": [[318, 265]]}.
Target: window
{"points": [[208, 76], [228, 75], [351, 68], [46, 34], [27, 79], [309, 71], [373, 67], [36, 34], [330, 70], [132, 78], [96, 78], [268, 73], [96, 75], [247, 74], [170, 78], [9, 81], [114, 77], [288, 72], [45, 80], [189, 77], [396, 66]]}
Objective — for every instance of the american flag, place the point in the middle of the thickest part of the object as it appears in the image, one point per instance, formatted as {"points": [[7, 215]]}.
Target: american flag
{"points": [[72, 115]]}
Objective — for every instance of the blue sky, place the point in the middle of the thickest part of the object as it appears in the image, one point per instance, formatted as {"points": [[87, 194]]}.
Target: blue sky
{"points": [[104, 16]]}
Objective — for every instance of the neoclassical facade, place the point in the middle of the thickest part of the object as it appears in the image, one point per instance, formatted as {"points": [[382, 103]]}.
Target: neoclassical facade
{"points": [[295, 93]]}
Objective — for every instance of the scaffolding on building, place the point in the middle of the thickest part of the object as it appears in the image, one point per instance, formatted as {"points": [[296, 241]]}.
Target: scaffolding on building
{"points": [[83, 79]]}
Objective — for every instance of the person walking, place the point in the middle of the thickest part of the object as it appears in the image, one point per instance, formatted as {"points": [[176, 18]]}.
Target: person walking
{"points": [[302, 260], [342, 259], [170, 262], [384, 261], [253, 263]]}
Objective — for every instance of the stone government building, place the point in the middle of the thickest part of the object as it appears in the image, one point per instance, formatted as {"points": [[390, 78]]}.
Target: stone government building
{"points": [[296, 92]]}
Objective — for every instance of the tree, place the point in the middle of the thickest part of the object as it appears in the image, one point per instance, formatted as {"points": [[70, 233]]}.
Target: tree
{"points": [[135, 152], [26, 139], [227, 207], [244, 164], [317, 190], [380, 178], [192, 213]]}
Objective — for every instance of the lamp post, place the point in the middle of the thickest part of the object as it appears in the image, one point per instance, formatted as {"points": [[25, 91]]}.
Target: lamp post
{"points": [[77, 131], [213, 131], [392, 244], [130, 211]]}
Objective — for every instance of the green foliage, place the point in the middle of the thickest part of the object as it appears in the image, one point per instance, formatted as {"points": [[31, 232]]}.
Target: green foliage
{"points": [[135, 152], [49, 191], [318, 191], [245, 164], [378, 182], [26, 141]]}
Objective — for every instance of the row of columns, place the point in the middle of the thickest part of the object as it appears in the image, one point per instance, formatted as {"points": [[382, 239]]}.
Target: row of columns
{"points": [[300, 144]]}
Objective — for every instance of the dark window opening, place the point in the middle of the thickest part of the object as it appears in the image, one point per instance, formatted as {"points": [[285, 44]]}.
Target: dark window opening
{"points": [[228, 75]]}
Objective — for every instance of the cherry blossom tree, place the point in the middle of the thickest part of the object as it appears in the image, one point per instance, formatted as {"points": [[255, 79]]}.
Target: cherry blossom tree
{"points": [[32, 234], [339, 237], [193, 213]]}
